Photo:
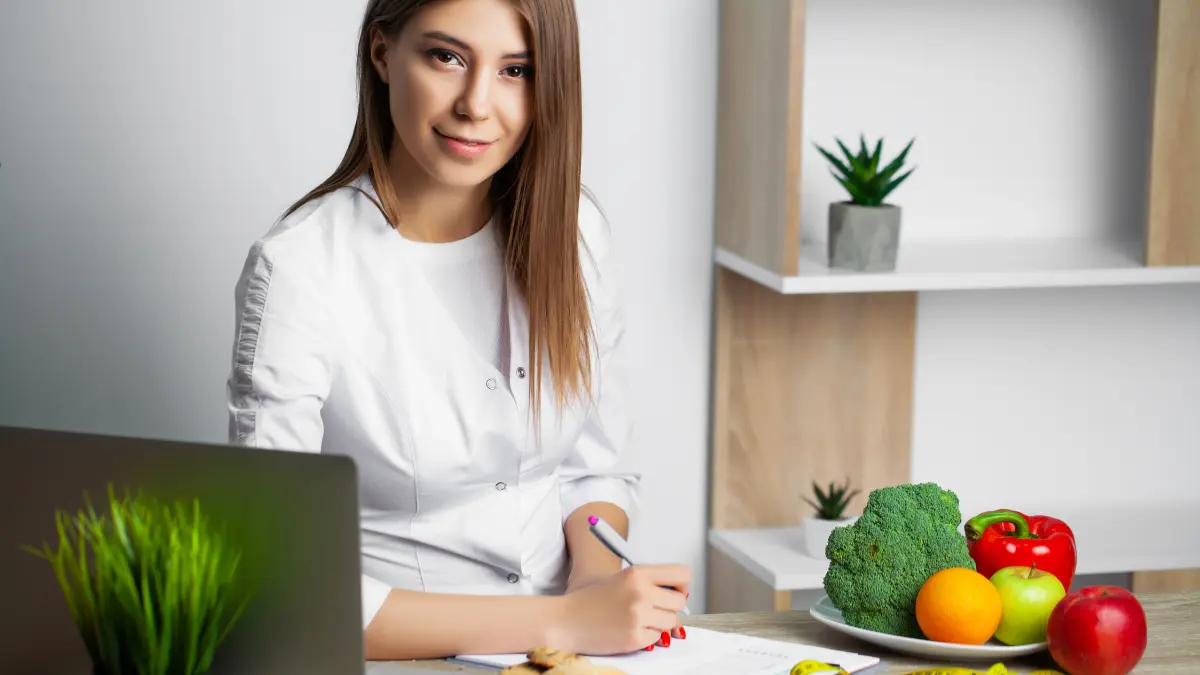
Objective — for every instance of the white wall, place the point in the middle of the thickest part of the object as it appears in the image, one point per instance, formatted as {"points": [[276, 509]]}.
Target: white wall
{"points": [[1035, 398], [649, 70], [144, 145], [1030, 120]]}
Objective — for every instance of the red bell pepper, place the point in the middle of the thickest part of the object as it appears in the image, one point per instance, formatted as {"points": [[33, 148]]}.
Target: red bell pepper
{"points": [[1003, 538]]}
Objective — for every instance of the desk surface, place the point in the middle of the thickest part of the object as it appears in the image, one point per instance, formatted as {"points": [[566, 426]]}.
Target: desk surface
{"points": [[1173, 648]]}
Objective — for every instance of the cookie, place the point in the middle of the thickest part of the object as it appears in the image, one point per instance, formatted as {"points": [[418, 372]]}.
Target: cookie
{"points": [[548, 657], [527, 668]]}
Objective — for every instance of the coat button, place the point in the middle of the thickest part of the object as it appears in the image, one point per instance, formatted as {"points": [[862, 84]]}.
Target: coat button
{"points": [[491, 384], [521, 373], [501, 486], [512, 578]]}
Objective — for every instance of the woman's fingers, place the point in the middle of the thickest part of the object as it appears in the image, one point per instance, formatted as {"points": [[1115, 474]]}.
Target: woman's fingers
{"points": [[668, 599], [652, 638], [666, 636], [662, 621], [669, 602], [672, 576], [666, 590], [685, 589]]}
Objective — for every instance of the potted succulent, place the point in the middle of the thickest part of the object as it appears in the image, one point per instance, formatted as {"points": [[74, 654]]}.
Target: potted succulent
{"points": [[864, 232], [830, 514], [153, 587]]}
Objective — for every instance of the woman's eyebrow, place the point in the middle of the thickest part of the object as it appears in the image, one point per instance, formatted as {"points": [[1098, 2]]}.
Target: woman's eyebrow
{"points": [[444, 37]]}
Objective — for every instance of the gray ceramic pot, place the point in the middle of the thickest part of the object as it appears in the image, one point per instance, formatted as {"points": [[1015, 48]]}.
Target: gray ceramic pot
{"points": [[864, 238]]}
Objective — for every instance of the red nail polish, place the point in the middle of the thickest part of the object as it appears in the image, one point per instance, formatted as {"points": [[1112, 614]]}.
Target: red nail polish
{"points": [[666, 639], [648, 649], [682, 633]]}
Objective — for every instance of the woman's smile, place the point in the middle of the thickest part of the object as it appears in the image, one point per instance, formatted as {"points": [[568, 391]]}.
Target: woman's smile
{"points": [[459, 146]]}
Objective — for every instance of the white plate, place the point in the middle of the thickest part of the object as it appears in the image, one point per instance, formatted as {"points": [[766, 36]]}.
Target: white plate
{"points": [[826, 613]]}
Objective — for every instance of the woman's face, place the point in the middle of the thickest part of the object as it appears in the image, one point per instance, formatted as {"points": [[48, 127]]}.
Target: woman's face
{"points": [[460, 87]]}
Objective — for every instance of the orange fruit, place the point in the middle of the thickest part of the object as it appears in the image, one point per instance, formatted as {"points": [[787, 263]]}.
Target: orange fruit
{"points": [[958, 605]]}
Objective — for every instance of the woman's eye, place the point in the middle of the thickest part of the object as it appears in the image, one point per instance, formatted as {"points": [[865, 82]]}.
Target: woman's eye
{"points": [[444, 56], [517, 72]]}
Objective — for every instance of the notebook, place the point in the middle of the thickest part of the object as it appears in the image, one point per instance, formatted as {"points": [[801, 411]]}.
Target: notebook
{"points": [[709, 652]]}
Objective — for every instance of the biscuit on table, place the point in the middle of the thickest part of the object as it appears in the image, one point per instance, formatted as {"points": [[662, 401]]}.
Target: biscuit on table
{"points": [[549, 661], [527, 668], [548, 657]]}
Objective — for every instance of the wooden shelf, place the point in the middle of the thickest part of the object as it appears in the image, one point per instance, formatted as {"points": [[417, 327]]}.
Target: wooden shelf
{"points": [[972, 264], [814, 368], [1155, 538]]}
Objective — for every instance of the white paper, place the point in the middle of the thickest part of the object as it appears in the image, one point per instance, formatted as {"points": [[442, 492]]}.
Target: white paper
{"points": [[708, 652]]}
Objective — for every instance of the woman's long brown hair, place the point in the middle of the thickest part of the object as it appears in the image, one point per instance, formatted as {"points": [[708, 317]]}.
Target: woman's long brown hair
{"points": [[536, 195]]}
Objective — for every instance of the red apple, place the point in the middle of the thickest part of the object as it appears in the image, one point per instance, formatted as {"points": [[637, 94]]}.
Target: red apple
{"points": [[1097, 630]]}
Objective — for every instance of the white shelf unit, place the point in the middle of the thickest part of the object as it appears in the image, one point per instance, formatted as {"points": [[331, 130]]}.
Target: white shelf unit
{"points": [[1152, 538], [973, 264]]}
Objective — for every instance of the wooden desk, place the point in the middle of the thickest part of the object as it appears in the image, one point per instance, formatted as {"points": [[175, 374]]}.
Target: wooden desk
{"points": [[1173, 649]]}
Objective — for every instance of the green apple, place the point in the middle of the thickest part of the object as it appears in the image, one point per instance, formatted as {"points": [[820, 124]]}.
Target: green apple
{"points": [[1027, 596]]}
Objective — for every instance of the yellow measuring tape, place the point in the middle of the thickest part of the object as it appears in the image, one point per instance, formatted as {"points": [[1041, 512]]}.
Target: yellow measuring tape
{"points": [[811, 667], [806, 667]]}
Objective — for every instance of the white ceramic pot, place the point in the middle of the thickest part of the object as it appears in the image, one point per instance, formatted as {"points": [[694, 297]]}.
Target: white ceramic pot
{"points": [[817, 531]]}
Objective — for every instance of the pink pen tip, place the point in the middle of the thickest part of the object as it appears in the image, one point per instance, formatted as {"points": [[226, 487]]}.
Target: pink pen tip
{"points": [[592, 520]]}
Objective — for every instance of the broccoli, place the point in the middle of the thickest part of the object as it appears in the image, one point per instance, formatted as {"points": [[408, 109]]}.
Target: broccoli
{"points": [[877, 565]]}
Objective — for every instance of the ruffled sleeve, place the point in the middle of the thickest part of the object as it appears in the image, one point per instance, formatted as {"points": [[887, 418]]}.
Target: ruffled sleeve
{"points": [[283, 363]]}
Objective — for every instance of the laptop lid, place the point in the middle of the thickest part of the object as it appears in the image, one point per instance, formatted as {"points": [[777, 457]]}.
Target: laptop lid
{"points": [[293, 517]]}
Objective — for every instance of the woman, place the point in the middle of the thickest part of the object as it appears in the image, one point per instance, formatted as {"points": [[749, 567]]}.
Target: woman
{"points": [[442, 310]]}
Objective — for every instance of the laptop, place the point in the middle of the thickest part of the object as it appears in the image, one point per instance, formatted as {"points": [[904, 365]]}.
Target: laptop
{"points": [[293, 517]]}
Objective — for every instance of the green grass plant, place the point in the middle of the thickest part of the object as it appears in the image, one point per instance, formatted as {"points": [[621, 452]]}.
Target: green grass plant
{"points": [[152, 586]]}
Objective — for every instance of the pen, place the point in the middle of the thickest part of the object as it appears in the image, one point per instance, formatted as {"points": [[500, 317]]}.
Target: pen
{"points": [[613, 541]]}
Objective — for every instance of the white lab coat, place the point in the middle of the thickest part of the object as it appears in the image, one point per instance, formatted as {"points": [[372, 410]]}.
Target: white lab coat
{"points": [[341, 348]]}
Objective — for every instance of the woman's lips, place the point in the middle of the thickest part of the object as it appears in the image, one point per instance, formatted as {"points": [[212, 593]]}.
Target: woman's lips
{"points": [[462, 147]]}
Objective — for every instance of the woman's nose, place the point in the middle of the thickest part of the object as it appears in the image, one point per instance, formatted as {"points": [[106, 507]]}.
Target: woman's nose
{"points": [[474, 101]]}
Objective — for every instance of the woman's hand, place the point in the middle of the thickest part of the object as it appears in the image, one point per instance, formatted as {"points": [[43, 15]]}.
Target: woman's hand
{"points": [[633, 609], [579, 581]]}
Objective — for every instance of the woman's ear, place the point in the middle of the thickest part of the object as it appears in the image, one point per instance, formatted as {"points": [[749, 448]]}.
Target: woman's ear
{"points": [[379, 53]]}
